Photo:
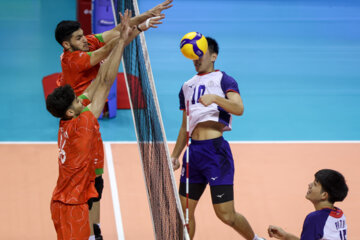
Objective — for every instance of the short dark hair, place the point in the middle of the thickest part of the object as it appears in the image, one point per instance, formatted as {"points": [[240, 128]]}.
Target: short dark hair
{"points": [[59, 101], [333, 183], [65, 29], [213, 46]]}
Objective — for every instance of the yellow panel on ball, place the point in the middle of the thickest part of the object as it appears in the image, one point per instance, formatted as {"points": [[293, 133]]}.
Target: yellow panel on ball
{"points": [[193, 45]]}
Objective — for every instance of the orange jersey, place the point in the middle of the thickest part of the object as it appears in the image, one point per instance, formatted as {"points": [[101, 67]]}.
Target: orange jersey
{"points": [[76, 68], [79, 147], [99, 157]]}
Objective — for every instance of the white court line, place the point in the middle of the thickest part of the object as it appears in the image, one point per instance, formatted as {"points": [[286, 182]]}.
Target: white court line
{"points": [[114, 192]]}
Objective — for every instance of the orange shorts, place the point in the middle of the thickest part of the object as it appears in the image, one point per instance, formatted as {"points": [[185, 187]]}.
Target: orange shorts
{"points": [[70, 221]]}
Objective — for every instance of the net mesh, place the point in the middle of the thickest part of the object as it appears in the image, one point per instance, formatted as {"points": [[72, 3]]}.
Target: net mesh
{"points": [[164, 202]]}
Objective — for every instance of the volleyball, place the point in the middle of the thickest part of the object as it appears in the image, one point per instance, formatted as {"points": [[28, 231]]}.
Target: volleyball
{"points": [[193, 45]]}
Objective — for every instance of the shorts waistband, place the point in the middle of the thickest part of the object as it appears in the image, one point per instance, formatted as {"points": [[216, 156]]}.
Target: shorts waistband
{"points": [[199, 142]]}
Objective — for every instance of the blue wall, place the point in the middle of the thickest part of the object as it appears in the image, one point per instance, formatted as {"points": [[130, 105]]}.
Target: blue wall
{"points": [[296, 62]]}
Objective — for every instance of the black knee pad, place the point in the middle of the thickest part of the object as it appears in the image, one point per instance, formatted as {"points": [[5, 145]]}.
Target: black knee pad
{"points": [[222, 193], [195, 190], [99, 185]]}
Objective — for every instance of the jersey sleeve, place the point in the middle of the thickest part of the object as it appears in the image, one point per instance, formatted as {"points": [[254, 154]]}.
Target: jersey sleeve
{"points": [[313, 228], [85, 100], [182, 99], [228, 84], [95, 41]]}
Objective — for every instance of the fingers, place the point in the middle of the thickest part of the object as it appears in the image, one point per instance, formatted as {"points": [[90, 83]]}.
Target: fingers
{"points": [[162, 6], [166, 5], [270, 231], [153, 22], [126, 17]]}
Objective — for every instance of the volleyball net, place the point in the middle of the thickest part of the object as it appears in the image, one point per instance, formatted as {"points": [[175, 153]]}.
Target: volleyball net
{"points": [[166, 211]]}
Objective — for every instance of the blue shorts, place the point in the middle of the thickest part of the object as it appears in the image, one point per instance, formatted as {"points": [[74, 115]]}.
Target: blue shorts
{"points": [[210, 161]]}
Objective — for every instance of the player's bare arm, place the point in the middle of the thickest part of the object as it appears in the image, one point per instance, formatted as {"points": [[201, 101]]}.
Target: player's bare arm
{"points": [[108, 71], [91, 89], [150, 23], [233, 104], [180, 143], [140, 19], [100, 54]]}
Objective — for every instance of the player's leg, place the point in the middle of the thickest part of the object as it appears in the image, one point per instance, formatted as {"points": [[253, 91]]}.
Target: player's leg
{"points": [[222, 197], [94, 217], [94, 213], [197, 185], [195, 192], [220, 175]]}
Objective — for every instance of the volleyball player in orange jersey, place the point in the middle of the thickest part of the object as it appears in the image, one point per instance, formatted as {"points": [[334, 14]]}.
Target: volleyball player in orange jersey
{"points": [[78, 143], [80, 63], [83, 54]]}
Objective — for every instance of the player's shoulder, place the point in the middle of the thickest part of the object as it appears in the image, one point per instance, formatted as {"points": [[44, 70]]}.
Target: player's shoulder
{"points": [[91, 38], [318, 215], [226, 76], [71, 56], [190, 81]]}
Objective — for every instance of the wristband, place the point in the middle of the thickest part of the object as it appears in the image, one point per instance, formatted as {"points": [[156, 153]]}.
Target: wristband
{"points": [[138, 28]]}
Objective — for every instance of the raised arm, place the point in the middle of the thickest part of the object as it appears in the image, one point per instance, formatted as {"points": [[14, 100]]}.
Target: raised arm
{"points": [[137, 20], [99, 89], [103, 52]]}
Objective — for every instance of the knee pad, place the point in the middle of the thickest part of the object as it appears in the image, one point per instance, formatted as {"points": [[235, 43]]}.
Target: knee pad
{"points": [[90, 203], [99, 185]]}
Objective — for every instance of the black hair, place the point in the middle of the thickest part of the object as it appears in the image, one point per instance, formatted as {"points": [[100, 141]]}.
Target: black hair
{"points": [[213, 46], [333, 183], [65, 29], [59, 101]]}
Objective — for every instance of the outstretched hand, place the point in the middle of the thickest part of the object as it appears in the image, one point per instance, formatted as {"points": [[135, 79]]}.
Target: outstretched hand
{"points": [[156, 11], [151, 22], [124, 26]]}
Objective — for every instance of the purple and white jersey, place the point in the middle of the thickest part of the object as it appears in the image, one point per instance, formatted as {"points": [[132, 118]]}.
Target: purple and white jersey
{"points": [[325, 224], [218, 83]]}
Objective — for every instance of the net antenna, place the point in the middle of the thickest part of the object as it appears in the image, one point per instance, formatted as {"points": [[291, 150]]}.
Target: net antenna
{"points": [[187, 166], [165, 207]]}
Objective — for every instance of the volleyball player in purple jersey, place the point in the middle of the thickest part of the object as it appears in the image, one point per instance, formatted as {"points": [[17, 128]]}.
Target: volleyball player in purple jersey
{"points": [[213, 97], [327, 221]]}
